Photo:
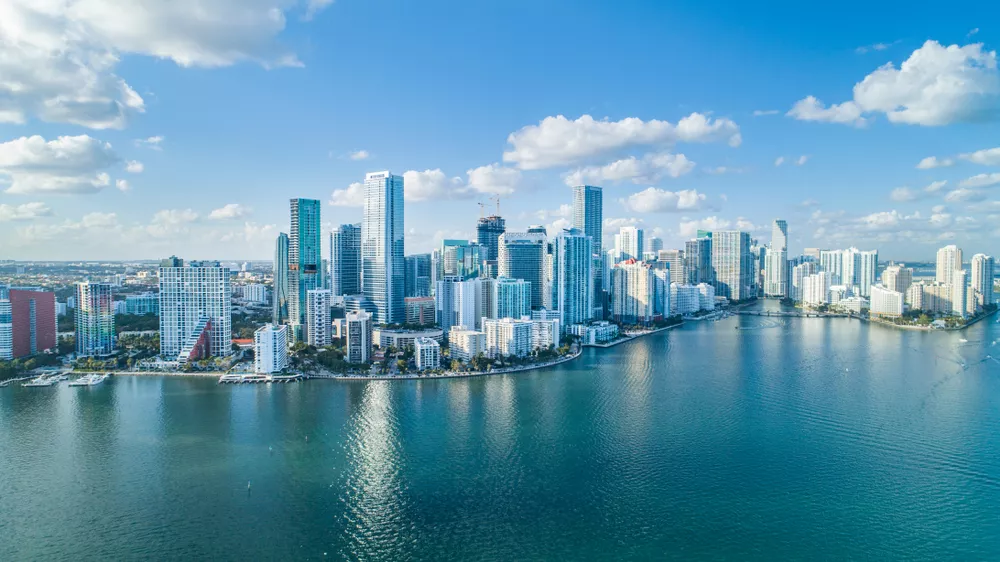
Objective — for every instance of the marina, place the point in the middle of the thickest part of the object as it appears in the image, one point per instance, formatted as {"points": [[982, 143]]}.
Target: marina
{"points": [[252, 378], [89, 380]]}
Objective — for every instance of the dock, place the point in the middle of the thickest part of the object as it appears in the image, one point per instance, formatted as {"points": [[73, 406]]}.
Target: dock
{"points": [[248, 378]]}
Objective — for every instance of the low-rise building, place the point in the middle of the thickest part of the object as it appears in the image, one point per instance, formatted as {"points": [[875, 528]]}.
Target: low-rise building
{"points": [[544, 334], [595, 332], [427, 354], [853, 304], [464, 344], [401, 339]]}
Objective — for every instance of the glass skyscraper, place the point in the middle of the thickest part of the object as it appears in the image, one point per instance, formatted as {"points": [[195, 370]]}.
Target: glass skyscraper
{"points": [[305, 267], [345, 260], [588, 217], [417, 279], [522, 255], [573, 277], [280, 304], [488, 233], [382, 259]]}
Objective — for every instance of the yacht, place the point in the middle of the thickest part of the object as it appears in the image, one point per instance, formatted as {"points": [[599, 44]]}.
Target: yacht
{"points": [[41, 381], [89, 380]]}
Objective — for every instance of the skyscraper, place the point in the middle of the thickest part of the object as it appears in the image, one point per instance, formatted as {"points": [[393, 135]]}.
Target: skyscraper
{"points": [[270, 346], [305, 268], [897, 278], [867, 271], [417, 279], [573, 277], [779, 235], [488, 233], [95, 320], [319, 327], [461, 258], [949, 260], [832, 262], [196, 310], [776, 261], [629, 242], [698, 261], [981, 280], [280, 304], [359, 336], [345, 260], [640, 293], [733, 264], [33, 321], [523, 256], [382, 259], [588, 216], [511, 298], [6, 329]]}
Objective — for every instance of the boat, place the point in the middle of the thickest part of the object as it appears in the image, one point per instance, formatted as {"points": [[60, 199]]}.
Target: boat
{"points": [[89, 380], [963, 340], [40, 381]]}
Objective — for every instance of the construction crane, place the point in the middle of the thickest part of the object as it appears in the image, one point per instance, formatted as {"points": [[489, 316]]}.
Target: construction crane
{"points": [[496, 198], [482, 209]]}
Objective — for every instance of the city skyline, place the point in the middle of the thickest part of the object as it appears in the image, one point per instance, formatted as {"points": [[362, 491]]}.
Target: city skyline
{"points": [[163, 160]]}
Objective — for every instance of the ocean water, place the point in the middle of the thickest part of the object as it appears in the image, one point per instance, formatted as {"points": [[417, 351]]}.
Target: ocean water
{"points": [[818, 439]]}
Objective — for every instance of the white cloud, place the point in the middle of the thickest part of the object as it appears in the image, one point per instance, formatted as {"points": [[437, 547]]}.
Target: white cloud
{"points": [[651, 168], [493, 178], [58, 58], [564, 211], [932, 162], [123, 185], [779, 161], [252, 233], [653, 200], [89, 224], [25, 212], [935, 186], [763, 112], [936, 85], [720, 170], [313, 7], [66, 165], [986, 157], [972, 32], [359, 155], [981, 180], [352, 196], [171, 222], [558, 141], [906, 194], [231, 211], [689, 228], [134, 167], [802, 160], [428, 185], [152, 143], [964, 195], [811, 109], [874, 47]]}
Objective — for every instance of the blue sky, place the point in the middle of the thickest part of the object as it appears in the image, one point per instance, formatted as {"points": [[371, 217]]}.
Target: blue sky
{"points": [[680, 110]]}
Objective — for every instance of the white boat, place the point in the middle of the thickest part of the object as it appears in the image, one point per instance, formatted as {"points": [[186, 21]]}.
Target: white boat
{"points": [[963, 340], [89, 380], [41, 381]]}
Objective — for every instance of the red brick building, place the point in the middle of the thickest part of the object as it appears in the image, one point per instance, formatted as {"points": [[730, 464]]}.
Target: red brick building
{"points": [[33, 319]]}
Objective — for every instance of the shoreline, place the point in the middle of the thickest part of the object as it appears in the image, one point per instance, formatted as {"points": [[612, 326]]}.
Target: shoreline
{"points": [[451, 375]]}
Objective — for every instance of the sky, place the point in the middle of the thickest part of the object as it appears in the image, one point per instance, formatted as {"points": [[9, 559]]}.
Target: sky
{"points": [[137, 129]]}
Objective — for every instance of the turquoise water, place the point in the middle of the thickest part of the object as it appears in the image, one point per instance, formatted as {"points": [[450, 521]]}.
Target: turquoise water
{"points": [[797, 439]]}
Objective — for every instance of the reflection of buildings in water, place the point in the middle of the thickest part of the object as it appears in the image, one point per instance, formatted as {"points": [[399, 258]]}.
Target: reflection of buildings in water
{"points": [[500, 414]]}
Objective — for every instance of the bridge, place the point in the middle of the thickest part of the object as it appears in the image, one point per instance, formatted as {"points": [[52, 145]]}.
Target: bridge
{"points": [[791, 314]]}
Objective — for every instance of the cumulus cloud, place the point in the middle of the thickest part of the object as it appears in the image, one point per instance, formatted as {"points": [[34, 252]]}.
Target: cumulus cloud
{"points": [[359, 155], [558, 141], [763, 112], [720, 170], [906, 194], [936, 85], [653, 200], [429, 184], [651, 168], [152, 143], [493, 178], [170, 222], [932, 162], [25, 212], [689, 228], [874, 47], [981, 180], [66, 165], [352, 196], [123, 186], [134, 167], [964, 195], [231, 211], [986, 157], [812, 109], [779, 161], [435, 185], [802, 160], [58, 59]]}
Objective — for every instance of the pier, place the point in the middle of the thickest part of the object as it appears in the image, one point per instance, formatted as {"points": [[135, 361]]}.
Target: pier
{"points": [[790, 314], [248, 378]]}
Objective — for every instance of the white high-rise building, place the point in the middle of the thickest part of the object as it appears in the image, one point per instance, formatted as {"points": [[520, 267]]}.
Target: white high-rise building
{"points": [[465, 343], [573, 277], [544, 334], [832, 262], [776, 273], [886, 302], [639, 292], [706, 298], [522, 256], [507, 337], [427, 353], [733, 264], [684, 299], [511, 298], [799, 273], [816, 289], [270, 347], [629, 243], [949, 260], [779, 235], [255, 293], [6, 328], [359, 326], [459, 303], [981, 280], [382, 261], [897, 277], [867, 272], [195, 303], [960, 292], [319, 323]]}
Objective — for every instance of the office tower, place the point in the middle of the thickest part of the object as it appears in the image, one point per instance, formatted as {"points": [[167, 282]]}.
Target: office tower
{"points": [[95, 320], [779, 235], [674, 260], [588, 213], [949, 260], [654, 244], [444, 297], [511, 298], [573, 266], [304, 260], [733, 264], [507, 337], [776, 261], [359, 335], [959, 295], [280, 303], [638, 294], [832, 262], [421, 311], [461, 258], [319, 324], [270, 349], [382, 259], [488, 232], [195, 310], [698, 261], [33, 321], [629, 242], [417, 279], [523, 256], [886, 302], [981, 280], [345, 260], [427, 353], [897, 277], [6, 329]]}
